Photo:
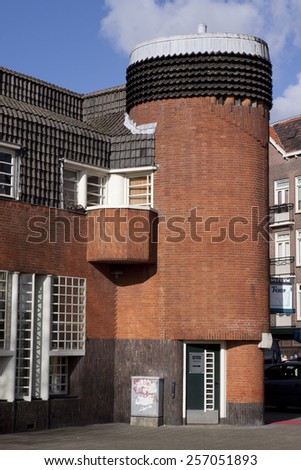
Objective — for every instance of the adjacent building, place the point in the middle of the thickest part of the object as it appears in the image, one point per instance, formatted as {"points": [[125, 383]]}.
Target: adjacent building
{"points": [[285, 232], [132, 242]]}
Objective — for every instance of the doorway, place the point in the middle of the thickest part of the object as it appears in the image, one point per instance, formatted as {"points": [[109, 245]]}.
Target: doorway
{"points": [[202, 383]]}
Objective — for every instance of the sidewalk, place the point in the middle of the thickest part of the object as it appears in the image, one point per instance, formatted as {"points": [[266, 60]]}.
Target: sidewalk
{"points": [[282, 433]]}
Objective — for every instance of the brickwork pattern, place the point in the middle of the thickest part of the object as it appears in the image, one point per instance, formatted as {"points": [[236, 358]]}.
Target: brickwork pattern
{"points": [[212, 159], [36, 239]]}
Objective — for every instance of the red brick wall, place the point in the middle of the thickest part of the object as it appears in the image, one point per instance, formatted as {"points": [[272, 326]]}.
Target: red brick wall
{"points": [[245, 372], [212, 159], [39, 240], [121, 235]]}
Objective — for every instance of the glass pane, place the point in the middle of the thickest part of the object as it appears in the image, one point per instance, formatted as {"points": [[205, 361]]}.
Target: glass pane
{"points": [[299, 197], [95, 190], [281, 192], [5, 157], [70, 187], [70, 175], [140, 190], [68, 328], [58, 375]]}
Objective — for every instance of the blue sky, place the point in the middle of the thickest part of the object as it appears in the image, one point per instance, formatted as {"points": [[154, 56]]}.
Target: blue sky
{"points": [[84, 45]]}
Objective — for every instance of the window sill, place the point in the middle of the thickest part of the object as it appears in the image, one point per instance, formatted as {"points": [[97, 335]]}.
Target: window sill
{"points": [[60, 397], [6, 353], [125, 206], [5, 196], [67, 352]]}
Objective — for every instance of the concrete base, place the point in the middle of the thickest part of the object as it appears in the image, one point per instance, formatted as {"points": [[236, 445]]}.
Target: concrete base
{"points": [[146, 421], [202, 417]]}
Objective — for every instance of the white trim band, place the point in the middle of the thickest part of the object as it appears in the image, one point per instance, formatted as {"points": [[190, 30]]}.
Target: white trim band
{"points": [[200, 43]]}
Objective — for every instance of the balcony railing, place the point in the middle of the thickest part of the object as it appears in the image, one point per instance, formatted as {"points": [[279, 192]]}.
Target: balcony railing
{"points": [[283, 266], [281, 214]]}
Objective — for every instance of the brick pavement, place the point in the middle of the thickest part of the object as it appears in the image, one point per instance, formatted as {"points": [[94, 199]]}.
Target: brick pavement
{"points": [[282, 432]]}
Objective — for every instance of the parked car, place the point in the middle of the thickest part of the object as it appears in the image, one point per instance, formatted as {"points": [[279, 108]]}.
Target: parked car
{"points": [[273, 354], [283, 384]]}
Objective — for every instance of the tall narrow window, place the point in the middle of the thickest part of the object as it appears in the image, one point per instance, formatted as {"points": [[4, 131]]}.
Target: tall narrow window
{"points": [[25, 330], [281, 192], [58, 375], [6, 173], [298, 193], [298, 247], [4, 310], [298, 301], [70, 188], [140, 190], [282, 244], [96, 186]]}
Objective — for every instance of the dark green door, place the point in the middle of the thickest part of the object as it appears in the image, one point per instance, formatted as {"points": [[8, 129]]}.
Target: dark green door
{"points": [[202, 383]]}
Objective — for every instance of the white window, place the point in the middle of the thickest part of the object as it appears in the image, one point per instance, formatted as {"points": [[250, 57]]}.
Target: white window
{"points": [[82, 187], [140, 190], [68, 314], [281, 191], [44, 308], [25, 337], [298, 194], [96, 190], [298, 247], [7, 173], [4, 309], [298, 301], [282, 244], [70, 187]]}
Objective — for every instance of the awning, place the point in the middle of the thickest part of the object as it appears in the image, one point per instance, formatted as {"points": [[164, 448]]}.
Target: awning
{"points": [[294, 333]]}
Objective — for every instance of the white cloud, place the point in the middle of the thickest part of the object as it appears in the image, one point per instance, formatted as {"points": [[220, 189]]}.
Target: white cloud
{"points": [[289, 104], [129, 22]]}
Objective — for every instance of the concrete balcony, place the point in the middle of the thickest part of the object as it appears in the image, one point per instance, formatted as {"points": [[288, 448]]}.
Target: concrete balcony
{"points": [[282, 266], [122, 235], [281, 215]]}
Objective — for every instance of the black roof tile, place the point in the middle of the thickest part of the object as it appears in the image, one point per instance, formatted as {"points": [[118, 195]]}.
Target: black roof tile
{"points": [[199, 75], [289, 133], [49, 122]]}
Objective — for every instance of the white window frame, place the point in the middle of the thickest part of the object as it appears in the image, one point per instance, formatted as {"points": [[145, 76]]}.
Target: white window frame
{"points": [[68, 323], [14, 174], [281, 193], [278, 242], [116, 191], [83, 173], [25, 354], [4, 310], [25, 337], [298, 247], [297, 186], [149, 191], [298, 301]]}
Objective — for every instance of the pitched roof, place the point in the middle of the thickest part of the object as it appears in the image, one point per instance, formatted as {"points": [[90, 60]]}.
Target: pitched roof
{"points": [[274, 136], [32, 113], [110, 124], [287, 134]]}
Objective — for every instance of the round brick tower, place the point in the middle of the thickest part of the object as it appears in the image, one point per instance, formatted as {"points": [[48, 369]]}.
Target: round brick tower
{"points": [[196, 316]]}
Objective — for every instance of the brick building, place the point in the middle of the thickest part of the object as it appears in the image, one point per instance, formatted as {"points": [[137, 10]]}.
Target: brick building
{"points": [[285, 230], [130, 238]]}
